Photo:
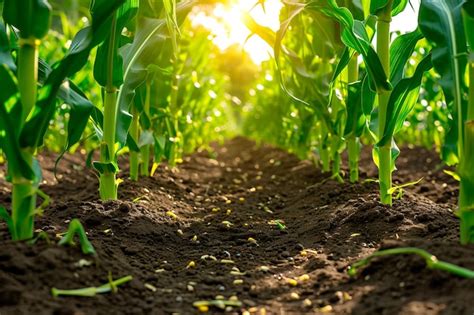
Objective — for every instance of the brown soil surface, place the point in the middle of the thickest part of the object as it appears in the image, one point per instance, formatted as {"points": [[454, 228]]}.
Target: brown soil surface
{"points": [[226, 203]]}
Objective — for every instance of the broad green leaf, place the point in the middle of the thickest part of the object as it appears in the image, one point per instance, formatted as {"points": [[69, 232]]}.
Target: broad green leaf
{"points": [[440, 21], [31, 17], [368, 97], [124, 14], [150, 34], [33, 132], [355, 121], [400, 52], [81, 107], [17, 166], [402, 99], [397, 6], [468, 18], [352, 38]]}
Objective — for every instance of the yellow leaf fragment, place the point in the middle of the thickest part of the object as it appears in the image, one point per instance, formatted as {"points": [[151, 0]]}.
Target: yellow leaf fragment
{"points": [[304, 277], [292, 282], [172, 215], [252, 240]]}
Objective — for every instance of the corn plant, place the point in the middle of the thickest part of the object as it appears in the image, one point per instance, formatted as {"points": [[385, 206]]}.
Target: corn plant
{"points": [[25, 112], [396, 93], [452, 42], [167, 16]]}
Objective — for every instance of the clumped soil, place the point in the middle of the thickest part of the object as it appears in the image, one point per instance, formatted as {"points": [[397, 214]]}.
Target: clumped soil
{"points": [[226, 204]]}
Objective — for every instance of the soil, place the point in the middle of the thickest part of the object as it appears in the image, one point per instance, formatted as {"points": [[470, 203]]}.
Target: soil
{"points": [[226, 204]]}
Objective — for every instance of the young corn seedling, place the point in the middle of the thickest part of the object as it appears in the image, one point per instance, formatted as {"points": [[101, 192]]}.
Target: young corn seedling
{"points": [[109, 73], [452, 42], [152, 67], [111, 286], [431, 261], [25, 112]]}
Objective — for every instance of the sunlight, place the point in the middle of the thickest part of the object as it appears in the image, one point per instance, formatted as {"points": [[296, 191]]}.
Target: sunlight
{"points": [[227, 28]]}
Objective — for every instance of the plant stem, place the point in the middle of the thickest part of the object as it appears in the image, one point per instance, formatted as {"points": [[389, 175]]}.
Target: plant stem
{"points": [[23, 205], [27, 75], [145, 150], [383, 51], [325, 161], [353, 143], [466, 169], [336, 166], [24, 190], [134, 133], [107, 180]]}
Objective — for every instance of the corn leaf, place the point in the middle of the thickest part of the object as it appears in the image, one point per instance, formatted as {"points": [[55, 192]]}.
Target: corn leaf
{"points": [[397, 7], [355, 119], [31, 17], [81, 107], [400, 52], [124, 14], [468, 18], [355, 37], [151, 33], [402, 100], [33, 132], [9, 131], [440, 22]]}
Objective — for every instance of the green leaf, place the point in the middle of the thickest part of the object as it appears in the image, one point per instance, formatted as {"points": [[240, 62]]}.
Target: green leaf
{"points": [[355, 37], [355, 119], [31, 17], [149, 36], [400, 52], [76, 228], [468, 18], [397, 7], [368, 97], [103, 167], [35, 128], [17, 166], [5, 49], [8, 219], [70, 94], [441, 23], [124, 14], [402, 99]]}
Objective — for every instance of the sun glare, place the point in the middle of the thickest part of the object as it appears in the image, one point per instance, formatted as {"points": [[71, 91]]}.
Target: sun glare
{"points": [[226, 25]]}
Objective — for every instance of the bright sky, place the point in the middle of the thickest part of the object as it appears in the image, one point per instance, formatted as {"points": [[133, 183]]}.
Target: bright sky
{"points": [[227, 28]]}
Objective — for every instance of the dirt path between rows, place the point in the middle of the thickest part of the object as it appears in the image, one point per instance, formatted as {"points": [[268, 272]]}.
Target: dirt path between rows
{"points": [[253, 225]]}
